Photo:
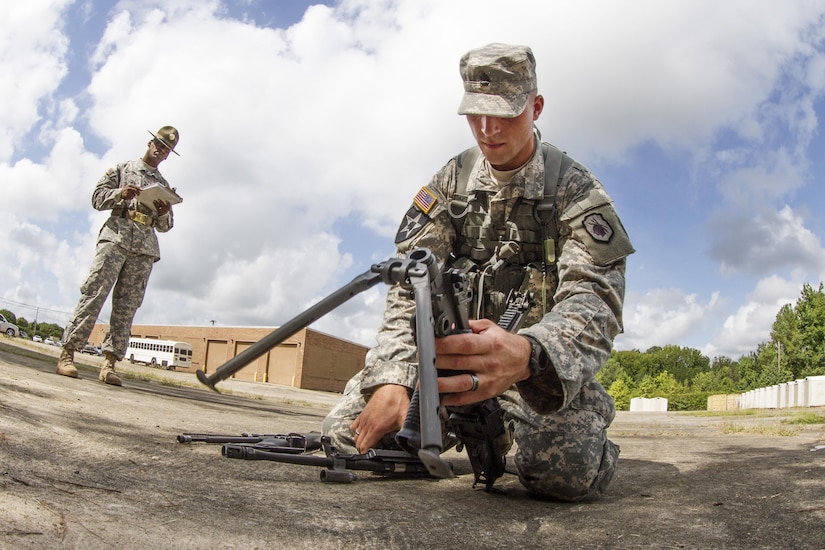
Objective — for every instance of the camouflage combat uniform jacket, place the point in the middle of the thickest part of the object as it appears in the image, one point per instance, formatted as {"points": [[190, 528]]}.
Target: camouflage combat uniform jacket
{"points": [[133, 236], [586, 281]]}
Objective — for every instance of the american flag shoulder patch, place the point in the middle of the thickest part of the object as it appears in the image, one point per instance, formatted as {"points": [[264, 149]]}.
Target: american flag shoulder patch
{"points": [[425, 200]]}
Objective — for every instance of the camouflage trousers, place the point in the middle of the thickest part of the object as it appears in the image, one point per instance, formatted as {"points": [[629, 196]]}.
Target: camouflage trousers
{"points": [[564, 456], [128, 273]]}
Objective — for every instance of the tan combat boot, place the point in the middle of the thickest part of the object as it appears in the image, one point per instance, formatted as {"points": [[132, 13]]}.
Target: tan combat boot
{"points": [[107, 372], [65, 365]]}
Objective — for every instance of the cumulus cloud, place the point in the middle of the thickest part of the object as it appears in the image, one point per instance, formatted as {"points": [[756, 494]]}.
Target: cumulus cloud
{"points": [[302, 144], [764, 242], [752, 322], [663, 316]]}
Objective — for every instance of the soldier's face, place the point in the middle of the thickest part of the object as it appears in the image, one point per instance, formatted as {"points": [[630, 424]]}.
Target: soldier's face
{"points": [[156, 153], [507, 143]]}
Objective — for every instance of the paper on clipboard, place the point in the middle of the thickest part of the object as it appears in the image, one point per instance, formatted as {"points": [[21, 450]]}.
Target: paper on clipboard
{"points": [[148, 195]]}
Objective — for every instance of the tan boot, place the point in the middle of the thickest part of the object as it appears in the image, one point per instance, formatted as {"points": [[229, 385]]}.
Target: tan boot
{"points": [[107, 372], [65, 365]]}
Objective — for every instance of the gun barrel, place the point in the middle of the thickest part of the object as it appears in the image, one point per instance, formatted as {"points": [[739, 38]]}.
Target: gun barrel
{"points": [[278, 336]]}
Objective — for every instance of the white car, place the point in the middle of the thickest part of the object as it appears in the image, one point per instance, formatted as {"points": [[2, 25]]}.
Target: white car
{"points": [[49, 341], [10, 329], [37, 338]]}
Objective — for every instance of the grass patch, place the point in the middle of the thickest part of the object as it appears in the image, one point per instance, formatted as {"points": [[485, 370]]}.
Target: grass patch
{"points": [[742, 412], [806, 418], [759, 429]]}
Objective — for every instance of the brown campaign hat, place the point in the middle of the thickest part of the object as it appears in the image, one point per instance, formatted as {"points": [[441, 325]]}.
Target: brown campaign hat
{"points": [[169, 136]]}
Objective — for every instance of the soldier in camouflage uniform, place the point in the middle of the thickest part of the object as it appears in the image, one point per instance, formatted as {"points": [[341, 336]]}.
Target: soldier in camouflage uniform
{"points": [[483, 213], [127, 248]]}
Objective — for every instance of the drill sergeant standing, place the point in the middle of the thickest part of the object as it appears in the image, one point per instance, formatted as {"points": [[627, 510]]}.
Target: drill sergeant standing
{"points": [[127, 248]]}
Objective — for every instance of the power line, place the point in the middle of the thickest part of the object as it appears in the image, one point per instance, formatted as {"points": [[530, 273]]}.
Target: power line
{"points": [[37, 309]]}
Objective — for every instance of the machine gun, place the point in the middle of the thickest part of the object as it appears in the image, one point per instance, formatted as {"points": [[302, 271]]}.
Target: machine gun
{"points": [[441, 302], [293, 448]]}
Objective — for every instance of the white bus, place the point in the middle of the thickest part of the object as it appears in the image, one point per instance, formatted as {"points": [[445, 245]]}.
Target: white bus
{"points": [[159, 353]]}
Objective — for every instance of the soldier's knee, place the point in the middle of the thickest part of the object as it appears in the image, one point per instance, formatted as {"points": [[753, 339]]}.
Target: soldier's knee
{"points": [[572, 480], [337, 429]]}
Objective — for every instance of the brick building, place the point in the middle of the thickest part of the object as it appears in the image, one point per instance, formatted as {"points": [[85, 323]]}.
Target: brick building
{"points": [[308, 359]]}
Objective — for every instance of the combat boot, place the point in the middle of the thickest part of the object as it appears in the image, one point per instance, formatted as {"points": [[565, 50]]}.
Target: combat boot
{"points": [[107, 373], [65, 365]]}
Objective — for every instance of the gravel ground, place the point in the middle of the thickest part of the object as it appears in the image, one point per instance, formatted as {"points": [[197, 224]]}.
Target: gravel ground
{"points": [[86, 465]]}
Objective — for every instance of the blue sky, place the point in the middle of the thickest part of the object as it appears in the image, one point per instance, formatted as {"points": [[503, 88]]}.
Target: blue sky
{"points": [[306, 129]]}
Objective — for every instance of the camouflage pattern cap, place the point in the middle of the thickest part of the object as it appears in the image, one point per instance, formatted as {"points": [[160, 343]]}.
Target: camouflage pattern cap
{"points": [[498, 79], [169, 136]]}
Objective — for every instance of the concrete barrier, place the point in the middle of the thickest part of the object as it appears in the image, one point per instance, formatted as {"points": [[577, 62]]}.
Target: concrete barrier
{"points": [[648, 404]]}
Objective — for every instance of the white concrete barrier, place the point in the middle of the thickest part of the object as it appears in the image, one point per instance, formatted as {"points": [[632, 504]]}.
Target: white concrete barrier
{"points": [[816, 391], [648, 404]]}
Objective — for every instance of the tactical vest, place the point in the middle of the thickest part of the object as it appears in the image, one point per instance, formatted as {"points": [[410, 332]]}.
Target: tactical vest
{"points": [[518, 252]]}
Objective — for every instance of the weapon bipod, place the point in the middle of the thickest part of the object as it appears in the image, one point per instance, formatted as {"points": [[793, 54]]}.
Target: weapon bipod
{"points": [[293, 448]]}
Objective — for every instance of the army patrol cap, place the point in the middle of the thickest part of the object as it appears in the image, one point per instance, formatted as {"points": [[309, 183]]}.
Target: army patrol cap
{"points": [[169, 136], [498, 79]]}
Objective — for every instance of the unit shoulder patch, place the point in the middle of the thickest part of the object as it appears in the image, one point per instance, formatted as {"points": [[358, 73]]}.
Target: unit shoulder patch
{"points": [[598, 228], [603, 234], [412, 223]]}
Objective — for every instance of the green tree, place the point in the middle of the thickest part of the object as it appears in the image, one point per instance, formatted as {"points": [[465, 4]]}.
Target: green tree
{"points": [[621, 393], [810, 314], [611, 371], [10, 317], [682, 363]]}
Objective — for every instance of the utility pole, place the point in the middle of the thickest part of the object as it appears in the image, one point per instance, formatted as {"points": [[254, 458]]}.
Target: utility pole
{"points": [[778, 361]]}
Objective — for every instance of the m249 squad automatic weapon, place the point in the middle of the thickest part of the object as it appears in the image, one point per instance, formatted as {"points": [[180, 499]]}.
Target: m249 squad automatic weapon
{"points": [[441, 308]]}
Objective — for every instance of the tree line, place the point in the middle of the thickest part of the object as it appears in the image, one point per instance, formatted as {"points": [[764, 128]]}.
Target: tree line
{"points": [[31, 328], [686, 377]]}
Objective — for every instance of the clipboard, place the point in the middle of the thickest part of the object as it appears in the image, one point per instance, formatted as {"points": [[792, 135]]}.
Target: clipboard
{"points": [[148, 195]]}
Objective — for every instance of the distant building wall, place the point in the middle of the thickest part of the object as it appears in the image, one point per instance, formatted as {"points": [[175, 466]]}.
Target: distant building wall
{"points": [[308, 359]]}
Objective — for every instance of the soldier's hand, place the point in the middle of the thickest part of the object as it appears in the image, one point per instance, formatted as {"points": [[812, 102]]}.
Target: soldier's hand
{"points": [[385, 412], [129, 192], [496, 357], [162, 207]]}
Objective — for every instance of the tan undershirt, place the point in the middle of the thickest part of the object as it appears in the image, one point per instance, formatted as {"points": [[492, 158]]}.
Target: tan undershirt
{"points": [[503, 178]]}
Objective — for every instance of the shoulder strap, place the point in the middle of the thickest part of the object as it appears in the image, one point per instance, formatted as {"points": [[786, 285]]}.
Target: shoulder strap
{"points": [[466, 161], [556, 163]]}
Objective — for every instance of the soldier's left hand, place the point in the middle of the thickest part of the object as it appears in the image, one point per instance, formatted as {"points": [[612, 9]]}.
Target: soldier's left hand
{"points": [[162, 207], [496, 357]]}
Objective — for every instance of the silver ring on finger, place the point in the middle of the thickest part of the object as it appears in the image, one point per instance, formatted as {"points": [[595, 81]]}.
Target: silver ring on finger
{"points": [[475, 381]]}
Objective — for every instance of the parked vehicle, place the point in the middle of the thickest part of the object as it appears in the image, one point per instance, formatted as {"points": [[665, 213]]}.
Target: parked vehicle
{"points": [[91, 350], [49, 340], [37, 338], [9, 329], [159, 353]]}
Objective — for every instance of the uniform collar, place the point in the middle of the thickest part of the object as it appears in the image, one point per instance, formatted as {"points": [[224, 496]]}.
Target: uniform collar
{"points": [[530, 178]]}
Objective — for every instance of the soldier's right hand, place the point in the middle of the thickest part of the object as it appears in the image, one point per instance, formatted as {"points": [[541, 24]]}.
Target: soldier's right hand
{"points": [[385, 412], [129, 192]]}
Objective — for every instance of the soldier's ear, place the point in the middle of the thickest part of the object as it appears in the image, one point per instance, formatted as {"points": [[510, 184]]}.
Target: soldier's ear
{"points": [[538, 106]]}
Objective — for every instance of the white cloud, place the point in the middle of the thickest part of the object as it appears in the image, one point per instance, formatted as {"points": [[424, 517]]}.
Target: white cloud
{"points": [[663, 316], [753, 320], [32, 50], [345, 114], [764, 242]]}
